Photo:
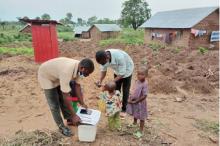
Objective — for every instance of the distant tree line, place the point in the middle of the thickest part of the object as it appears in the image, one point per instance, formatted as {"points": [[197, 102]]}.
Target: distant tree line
{"points": [[134, 13]]}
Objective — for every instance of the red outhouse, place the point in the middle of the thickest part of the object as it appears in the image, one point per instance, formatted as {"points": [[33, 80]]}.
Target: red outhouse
{"points": [[44, 39]]}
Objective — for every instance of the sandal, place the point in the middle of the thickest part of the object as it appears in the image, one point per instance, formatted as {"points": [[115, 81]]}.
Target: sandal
{"points": [[132, 125], [138, 134], [66, 131]]}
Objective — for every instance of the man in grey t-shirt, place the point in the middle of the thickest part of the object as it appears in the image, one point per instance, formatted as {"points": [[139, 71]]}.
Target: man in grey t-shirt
{"points": [[123, 67]]}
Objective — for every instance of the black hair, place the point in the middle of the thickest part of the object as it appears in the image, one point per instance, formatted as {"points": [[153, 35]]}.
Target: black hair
{"points": [[100, 55], [88, 64], [111, 85]]}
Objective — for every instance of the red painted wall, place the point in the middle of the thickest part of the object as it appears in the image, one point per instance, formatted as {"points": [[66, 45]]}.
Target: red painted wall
{"points": [[44, 38]]}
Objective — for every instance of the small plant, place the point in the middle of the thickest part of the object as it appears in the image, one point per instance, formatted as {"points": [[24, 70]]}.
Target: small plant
{"points": [[207, 126], [155, 46], [203, 50], [177, 50], [66, 36], [144, 61], [127, 36], [158, 65]]}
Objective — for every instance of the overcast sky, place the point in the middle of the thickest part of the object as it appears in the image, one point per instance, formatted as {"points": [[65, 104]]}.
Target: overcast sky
{"points": [[10, 9]]}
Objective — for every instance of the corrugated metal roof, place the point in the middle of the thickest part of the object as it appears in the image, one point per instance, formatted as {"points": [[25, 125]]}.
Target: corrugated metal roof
{"points": [[25, 27], [185, 18], [80, 29], [107, 27]]}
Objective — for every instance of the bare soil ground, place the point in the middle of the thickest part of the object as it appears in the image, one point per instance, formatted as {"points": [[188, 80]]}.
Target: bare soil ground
{"points": [[183, 91]]}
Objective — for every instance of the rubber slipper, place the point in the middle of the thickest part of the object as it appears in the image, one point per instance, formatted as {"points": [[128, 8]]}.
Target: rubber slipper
{"points": [[66, 131]]}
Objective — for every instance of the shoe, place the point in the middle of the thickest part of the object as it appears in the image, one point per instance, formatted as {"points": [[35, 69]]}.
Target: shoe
{"points": [[138, 134], [66, 131]]}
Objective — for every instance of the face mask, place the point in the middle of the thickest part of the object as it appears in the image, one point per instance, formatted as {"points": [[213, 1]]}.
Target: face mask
{"points": [[81, 75], [107, 64]]}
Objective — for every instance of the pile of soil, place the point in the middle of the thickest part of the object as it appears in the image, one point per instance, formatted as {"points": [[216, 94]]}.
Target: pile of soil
{"points": [[190, 70], [23, 105]]}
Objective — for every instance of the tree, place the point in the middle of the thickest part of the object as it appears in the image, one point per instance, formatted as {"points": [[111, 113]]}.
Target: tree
{"points": [[79, 21], [92, 20], [25, 17], [45, 16], [135, 13], [106, 21], [38, 18], [69, 16], [3, 24]]}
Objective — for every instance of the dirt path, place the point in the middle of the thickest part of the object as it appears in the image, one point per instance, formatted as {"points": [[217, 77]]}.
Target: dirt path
{"points": [[174, 118]]}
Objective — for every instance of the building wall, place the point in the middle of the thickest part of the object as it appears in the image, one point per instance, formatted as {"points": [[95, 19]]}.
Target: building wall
{"points": [[85, 35], [181, 40], [210, 23], [187, 39], [96, 35], [107, 35]]}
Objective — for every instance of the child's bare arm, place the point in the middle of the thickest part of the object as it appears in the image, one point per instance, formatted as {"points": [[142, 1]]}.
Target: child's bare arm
{"points": [[140, 99], [80, 95]]}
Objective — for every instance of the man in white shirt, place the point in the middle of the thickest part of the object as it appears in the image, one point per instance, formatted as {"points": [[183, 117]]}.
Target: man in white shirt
{"points": [[123, 67]]}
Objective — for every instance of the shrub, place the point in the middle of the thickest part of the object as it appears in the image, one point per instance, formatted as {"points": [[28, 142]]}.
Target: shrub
{"points": [[127, 36], [155, 46], [16, 51], [203, 50], [66, 36]]}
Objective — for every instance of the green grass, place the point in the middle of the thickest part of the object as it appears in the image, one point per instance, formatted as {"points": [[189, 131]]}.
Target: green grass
{"points": [[155, 46], [9, 36], [16, 51], [66, 36], [127, 36], [207, 126], [203, 50]]}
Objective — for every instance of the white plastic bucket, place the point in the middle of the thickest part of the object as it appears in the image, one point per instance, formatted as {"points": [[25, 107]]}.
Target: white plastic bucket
{"points": [[87, 133]]}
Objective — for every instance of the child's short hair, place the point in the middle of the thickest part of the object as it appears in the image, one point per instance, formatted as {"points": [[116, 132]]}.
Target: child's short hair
{"points": [[143, 69], [111, 86], [88, 64]]}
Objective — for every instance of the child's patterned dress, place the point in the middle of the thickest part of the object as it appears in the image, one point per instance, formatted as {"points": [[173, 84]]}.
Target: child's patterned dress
{"points": [[138, 110], [113, 108]]}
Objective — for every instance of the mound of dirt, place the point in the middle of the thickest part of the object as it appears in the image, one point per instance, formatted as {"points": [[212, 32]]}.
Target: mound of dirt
{"points": [[183, 66], [199, 85], [12, 72], [161, 84]]}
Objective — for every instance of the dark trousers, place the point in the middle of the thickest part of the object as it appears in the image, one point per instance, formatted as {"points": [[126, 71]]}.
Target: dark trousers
{"points": [[125, 83], [56, 102]]}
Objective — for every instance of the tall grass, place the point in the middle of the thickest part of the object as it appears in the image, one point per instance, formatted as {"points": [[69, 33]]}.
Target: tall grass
{"points": [[127, 36], [207, 126], [16, 51], [9, 36], [66, 36]]}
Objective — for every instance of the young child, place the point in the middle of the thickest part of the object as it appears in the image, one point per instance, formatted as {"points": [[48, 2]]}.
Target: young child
{"points": [[76, 98], [137, 105], [112, 99]]}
